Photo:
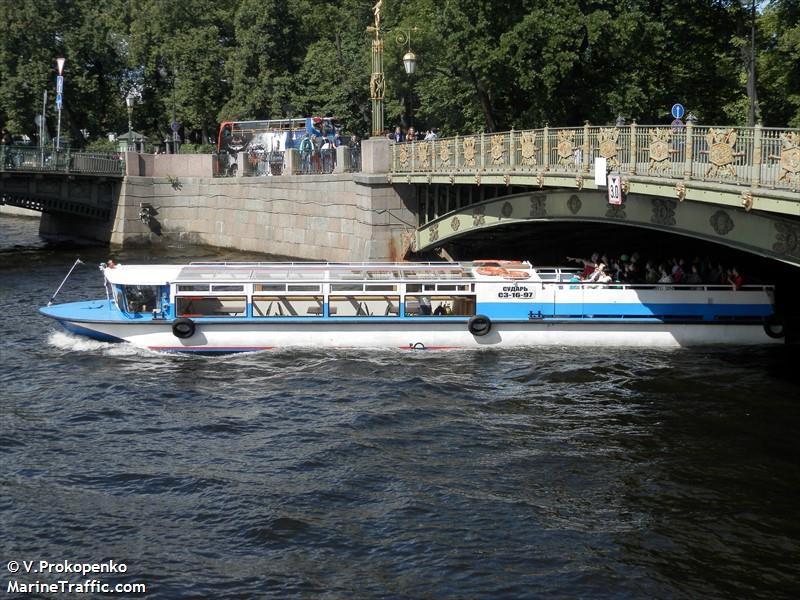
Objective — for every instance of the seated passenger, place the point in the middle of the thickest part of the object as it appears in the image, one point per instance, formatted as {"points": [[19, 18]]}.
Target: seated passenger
{"points": [[599, 275], [424, 306], [666, 277], [693, 277]]}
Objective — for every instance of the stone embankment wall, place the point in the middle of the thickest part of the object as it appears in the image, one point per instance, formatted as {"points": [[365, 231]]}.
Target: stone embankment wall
{"points": [[338, 217]]}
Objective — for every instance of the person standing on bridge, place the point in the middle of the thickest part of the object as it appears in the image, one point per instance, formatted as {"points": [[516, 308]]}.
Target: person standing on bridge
{"points": [[306, 150]]}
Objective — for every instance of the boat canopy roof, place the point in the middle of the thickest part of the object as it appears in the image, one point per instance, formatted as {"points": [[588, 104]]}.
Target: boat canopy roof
{"points": [[244, 272], [141, 274]]}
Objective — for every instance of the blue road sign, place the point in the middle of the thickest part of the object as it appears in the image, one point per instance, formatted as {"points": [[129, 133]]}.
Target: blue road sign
{"points": [[175, 126], [59, 84], [58, 101], [677, 110]]}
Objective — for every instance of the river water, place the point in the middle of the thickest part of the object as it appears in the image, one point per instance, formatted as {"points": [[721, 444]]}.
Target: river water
{"points": [[554, 473]]}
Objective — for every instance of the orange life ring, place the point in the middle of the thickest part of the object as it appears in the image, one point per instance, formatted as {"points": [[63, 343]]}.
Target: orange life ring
{"points": [[493, 271], [491, 262]]}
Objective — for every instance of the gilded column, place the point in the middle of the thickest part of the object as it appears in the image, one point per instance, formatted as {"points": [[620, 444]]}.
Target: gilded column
{"points": [[687, 163], [377, 85], [546, 148], [512, 153], [755, 176], [586, 148]]}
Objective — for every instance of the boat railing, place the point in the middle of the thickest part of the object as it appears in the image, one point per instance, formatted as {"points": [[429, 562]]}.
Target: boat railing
{"points": [[613, 285], [309, 264]]}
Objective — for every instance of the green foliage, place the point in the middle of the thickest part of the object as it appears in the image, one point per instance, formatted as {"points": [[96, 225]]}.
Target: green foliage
{"points": [[101, 145], [483, 65], [196, 148]]}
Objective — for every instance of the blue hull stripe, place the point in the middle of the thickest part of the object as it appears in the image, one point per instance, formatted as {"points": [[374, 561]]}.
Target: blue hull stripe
{"points": [[706, 312]]}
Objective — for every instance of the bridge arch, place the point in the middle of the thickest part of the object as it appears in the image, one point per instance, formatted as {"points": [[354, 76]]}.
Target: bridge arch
{"points": [[763, 234]]}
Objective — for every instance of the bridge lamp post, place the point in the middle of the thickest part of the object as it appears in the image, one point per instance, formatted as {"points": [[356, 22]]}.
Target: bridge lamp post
{"points": [[130, 99], [377, 80], [410, 65]]}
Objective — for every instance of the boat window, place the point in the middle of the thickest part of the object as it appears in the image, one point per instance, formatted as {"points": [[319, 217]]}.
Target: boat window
{"points": [[364, 306], [380, 287], [140, 298], [227, 288], [439, 306], [303, 288], [211, 306], [287, 306], [462, 287], [347, 287], [269, 287], [197, 287]]}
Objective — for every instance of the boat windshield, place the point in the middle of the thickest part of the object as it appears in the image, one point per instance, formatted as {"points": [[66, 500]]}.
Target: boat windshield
{"points": [[140, 298]]}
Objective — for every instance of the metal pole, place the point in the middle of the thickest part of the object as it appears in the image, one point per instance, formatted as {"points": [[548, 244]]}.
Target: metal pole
{"points": [[172, 125], [42, 127], [58, 131]]}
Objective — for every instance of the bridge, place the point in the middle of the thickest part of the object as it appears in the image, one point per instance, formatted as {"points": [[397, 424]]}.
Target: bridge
{"points": [[78, 184], [735, 186]]}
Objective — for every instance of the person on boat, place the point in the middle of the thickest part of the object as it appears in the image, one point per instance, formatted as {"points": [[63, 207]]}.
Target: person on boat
{"points": [[666, 276], [589, 264], [599, 275], [425, 306], [693, 278], [735, 278]]}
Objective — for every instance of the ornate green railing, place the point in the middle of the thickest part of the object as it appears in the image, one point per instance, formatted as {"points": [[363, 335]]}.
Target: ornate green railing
{"points": [[759, 158], [46, 160]]}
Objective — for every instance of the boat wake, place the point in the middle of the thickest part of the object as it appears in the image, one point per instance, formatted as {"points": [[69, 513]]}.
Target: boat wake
{"points": [[73, 343]]}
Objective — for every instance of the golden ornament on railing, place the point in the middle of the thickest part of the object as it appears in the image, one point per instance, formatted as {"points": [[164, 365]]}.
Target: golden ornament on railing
{"points": [[468, 146], [445, 154], [660, 149], [423, 155], [608, 145], [527, 148], [402, 156], [789, 157], [721, 154], [566, 148], [498, 149]]}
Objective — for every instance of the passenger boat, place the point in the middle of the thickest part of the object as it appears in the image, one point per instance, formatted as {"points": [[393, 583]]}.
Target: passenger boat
{"points": [[233, 307]]}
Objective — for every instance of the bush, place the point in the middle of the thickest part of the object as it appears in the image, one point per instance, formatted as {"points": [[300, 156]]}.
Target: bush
{"points": [[196, 148], [101, 145]]}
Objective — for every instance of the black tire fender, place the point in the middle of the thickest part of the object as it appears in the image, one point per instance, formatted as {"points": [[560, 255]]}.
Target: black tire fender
{"points": [[774, 327], [183, 328], [479, 325]]}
